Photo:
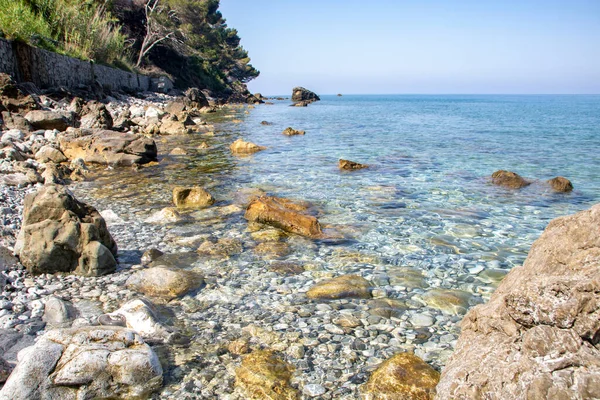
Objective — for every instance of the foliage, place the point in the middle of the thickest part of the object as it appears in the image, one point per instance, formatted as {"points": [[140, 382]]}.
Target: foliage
{"points": [[19, 21]]}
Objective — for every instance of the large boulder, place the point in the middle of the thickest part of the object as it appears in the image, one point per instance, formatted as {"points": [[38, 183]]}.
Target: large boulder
{"points": [[108, 147], [300, 94], [561, 184], [194, 98], [96, 116], [41, 119], [404, 376], [538, 336], [164, 283], [264, 375], [61, 234], [282, 214], [509, 179], [85, 363]]}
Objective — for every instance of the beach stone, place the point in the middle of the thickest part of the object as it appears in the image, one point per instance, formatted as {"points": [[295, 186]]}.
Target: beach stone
{"points": [[289, 131], [263, 375], [447, 300], [300, 94], [407, 277], [87, 362], [151, 255], [245, 196], [286, 268], [224, 247], [422, 320], [241, 147], [61, 234], [140, 316], [239, 346], [167, 215], [164, 283], [313, 390], [40, 119], [5, 370], [15, 121], [509, 179], [273, 249], [346, 286], [96, 116], [387, 308], [282, 214], [170, 127], [108, 147], [49, 153], [194, 98], [348, 165], [57, 313], [561, 184], [403, 376], [178, 151], [537, 337], [193, 197]]}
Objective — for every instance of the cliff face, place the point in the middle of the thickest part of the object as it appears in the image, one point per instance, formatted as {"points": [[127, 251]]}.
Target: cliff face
{"points": [[539, 335]]}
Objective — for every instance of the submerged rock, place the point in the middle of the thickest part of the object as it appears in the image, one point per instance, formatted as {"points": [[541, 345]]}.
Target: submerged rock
{"points": [[447, 300], [61, 234], [537, 337], [140, 316], [509, 179], [348, 165], [282, 214], [402, 377], [263, 375], [164, 283], [346, 286], [223, 247], [242, 147], [194, 197], [561, 184]]}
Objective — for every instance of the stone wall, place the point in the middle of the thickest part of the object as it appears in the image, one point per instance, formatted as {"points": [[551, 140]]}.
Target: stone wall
{"points": [[47, 69]]}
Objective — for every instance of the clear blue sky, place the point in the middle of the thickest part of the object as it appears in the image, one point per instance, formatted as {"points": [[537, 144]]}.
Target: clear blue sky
{"points": [[420, 46]]}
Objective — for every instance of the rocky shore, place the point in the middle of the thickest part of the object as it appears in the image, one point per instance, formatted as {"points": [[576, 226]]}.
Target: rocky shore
{"points": [[192, 310]]}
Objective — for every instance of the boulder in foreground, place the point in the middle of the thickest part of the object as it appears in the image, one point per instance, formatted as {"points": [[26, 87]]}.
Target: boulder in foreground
{"points": [[509, 179], [194, 197], [85, 363], [282, 214], [164, 283], [537, 337], [108, 147], [241, 147], [404, 376], [61, 234]]}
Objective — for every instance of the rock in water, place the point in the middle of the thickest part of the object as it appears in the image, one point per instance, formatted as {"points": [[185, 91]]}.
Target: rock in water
{"points": [[85, 363], [348, 165], [300, 94], [61, 234], [241, 147], [341, 287], [195, 197], [509, 179], [289, 131], [263, 375], [537, 337], [561, 184], [282, 214], [108, 147], [164, 283], [402, 377]]}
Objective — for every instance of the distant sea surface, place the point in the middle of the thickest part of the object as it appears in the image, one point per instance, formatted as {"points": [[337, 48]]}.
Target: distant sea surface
{"points": [[427, 198]]}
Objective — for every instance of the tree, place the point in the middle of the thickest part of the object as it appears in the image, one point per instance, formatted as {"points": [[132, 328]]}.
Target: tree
{"points": [[156, 31]]}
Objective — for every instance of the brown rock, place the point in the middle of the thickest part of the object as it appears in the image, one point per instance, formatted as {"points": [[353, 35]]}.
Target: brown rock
{"points": [[241, 147], [282, 214], [96, 116], [345, 286], [561, 184], [15, 121], [286, 268], [348, 165], [289, 131], [266, 123], [49, 153], [402, 377], [273, 249], [164, 283], [239, 347], [223, 247], [263, 375], [537, 337], [509, 179], [178, 151], [108, 147], [301, 94], [169, 127], [40, 119], [195, 197]]}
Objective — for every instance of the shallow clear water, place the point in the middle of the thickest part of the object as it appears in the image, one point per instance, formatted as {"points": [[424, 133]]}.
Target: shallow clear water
{"points": [[426, 200]]}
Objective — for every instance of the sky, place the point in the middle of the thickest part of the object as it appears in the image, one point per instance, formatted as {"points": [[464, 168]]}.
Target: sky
{"points": [[420, 46]]}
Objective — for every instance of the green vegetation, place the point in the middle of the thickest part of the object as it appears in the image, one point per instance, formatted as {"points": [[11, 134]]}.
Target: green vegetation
{"points": [[187, 39]]}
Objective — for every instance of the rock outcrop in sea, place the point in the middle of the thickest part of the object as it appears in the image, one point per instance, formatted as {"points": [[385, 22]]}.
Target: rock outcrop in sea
{"points": [[538, 336], [303, 96]]}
